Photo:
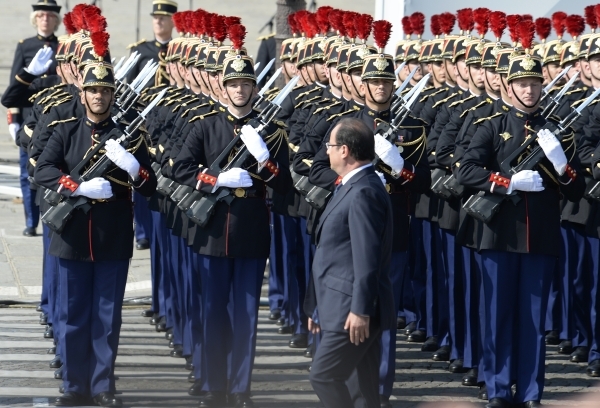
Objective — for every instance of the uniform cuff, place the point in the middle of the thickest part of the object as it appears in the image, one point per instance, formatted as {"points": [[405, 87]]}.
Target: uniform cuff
{"points": [[206, 181], [67, 183], [500, 183], [569, 175], [408, 175], [269, 170]]}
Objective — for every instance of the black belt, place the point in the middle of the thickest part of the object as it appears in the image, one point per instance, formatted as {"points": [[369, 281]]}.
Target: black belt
{"points": [[120, 196], [248, 193], [393, 189]]}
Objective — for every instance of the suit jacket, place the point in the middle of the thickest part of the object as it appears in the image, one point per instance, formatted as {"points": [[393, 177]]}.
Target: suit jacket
{"points": [[351, 268]]}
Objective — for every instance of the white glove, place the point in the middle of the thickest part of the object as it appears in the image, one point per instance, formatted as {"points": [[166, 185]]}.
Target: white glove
{"points": [[389, 154], [255, 144], [553, 150], [526, 180], [122, 158], [381, 176], [40, 62], [234, 178], [97, 188], [13, 129]]}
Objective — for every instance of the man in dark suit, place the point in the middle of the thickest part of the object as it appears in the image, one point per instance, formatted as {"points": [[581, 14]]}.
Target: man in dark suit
{"points": [[351, 271]]}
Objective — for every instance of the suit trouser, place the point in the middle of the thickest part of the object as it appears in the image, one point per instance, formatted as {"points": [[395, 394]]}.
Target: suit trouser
{"points": [[516, 288], [334, 363], [387, 365], [90, 319], [157, 256], [418, 271], [32, 211], [230, 295], [141, 217]]}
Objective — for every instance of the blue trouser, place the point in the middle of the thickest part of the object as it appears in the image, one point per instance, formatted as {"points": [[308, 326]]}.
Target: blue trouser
{"points": [[594, 246], [158, 255], [90, 319], [418, 271], [277, 288], [387, 365], [32, 211], [452, 322], [472, 284], [188, 272], [174, 300], [46, 274], [141, 217], [230, 295], [51, 279], [297, 253], [516, 288], [436, 289]]}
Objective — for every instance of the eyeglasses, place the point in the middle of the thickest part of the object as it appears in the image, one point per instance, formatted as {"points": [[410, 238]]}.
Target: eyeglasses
{"points": [[328, 145]]}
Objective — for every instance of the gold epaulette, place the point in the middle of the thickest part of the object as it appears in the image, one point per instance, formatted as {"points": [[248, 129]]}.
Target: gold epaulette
{"points": [[46, 90], [181, 99], [583, 89], [54, 94], [495, 115], [135, 44], [293, 147], [200, 117], [56, 122], [28, 131], [265, 37], [306, 101], [279, 123], [456, 103], [442, 101], [479, 105], [307, 162], [202, 105], [429, 88], [316, 88], [577, 102], [184, 104], [338, 115], [56, 103], [270, 91], [327, 107], [269, 98], [431, 94]]}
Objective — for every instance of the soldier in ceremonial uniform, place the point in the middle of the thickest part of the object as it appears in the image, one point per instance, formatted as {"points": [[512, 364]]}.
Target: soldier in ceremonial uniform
{"points": [[46, 19], [234, 245], [95, 247], [519, 245]]}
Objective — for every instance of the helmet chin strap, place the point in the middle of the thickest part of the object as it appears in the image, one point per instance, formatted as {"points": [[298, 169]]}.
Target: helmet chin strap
{"points": [[523, 103], [356, 89]]}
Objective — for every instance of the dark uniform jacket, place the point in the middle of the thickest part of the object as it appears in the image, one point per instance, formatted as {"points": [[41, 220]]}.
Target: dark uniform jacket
{"points": [[150, 50], [106, 231]]}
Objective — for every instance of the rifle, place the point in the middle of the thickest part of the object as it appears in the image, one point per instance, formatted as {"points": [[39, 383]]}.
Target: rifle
{"points": [[484, 206], [548, 88], [554, 102], [201, 210], [57, 216], [126, 104]]}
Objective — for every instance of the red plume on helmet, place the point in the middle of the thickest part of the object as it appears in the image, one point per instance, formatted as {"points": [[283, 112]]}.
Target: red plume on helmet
{"points": [[558, 22], [78, 17], [323, 19], [434, 25], [312, 27], [350, 18], [229, 21], [219, 28], [188, 21], [237, 35], [294, 24], [575, 25], [498, 23], [100, 42], [336, 18], [543, 26], [417, 22], [590, 17], [94, 20], [525, 17], [382, 30], [447, 21], [364, 25], [199, 28], [465, 20], [481, 16], [68, 22], [301, 20], [526, 33], [208, 28], [407, 27], [597, 14], [178, 21], [513, 21]]}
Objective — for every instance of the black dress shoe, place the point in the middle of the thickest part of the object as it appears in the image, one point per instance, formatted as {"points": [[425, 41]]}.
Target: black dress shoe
{"points": [[171, 344], [49, 333], [191, 378], [580, 355], [142, 244], [241, 400], [411, 327], [155, 319], [498, 403], [299, 340], [43, 319], [196, 389], [532, 404], [565, 347], [442, 354], [161, 326], [107, 399], [457, 366], [56, 362], [384, 402], [280, 321], [177, 351], [417, 336], [431, 344], [482, 394], [308, 352], [38, 308], [189, 365], [213, 399], [147, 313], [552, 338], [284, 330], [169, 334], [29, 232], [51, 350], [275, 314], [58, 374], [400, 322], [470, 378], [72, 399], [61, 389], [593, 369]]}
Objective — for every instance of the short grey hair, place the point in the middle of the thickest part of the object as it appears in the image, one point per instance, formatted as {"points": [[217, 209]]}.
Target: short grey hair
{"points": [[33, 17]]}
